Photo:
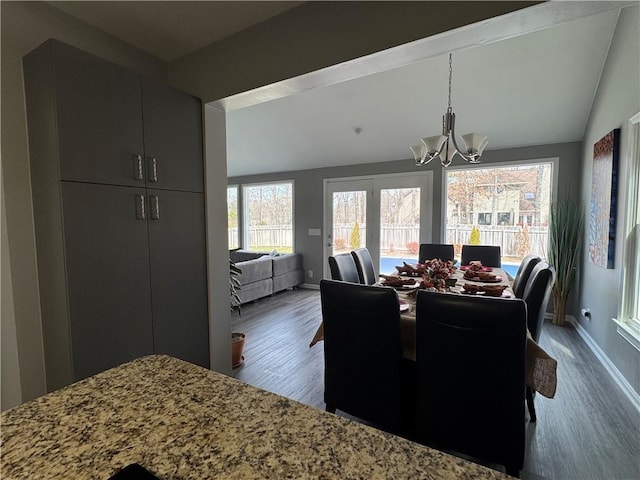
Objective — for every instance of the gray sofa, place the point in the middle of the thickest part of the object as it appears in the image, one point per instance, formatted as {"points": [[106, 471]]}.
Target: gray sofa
{"points": [[264, 274]]}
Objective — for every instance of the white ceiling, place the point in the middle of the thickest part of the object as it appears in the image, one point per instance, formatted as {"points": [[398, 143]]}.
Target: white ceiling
{"points": [[529, 89]]}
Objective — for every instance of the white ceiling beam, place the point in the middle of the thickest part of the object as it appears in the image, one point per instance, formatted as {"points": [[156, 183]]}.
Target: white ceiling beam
{"points": [[520, 22]]}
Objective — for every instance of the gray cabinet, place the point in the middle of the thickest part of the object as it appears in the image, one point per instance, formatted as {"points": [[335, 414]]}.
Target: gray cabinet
{"points": [[99, 116], [117, 182], [172, 138], [108, 275], [178, 277]]}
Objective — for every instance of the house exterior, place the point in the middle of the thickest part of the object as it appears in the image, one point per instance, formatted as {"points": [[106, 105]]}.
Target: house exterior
{"points": [[205, 73]]}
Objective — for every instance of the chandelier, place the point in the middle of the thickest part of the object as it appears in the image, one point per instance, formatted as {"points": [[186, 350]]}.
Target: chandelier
{"points": [[445, 145]]}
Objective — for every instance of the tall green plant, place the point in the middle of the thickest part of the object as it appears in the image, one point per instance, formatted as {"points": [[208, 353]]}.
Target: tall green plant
{"points": [[566, 226]]}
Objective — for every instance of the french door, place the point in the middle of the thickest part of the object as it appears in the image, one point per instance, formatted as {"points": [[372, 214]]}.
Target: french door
{"points": [[388, 214]]}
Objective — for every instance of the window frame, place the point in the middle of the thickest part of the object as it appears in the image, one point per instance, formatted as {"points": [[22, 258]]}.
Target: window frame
{"points": [[245, 210], [238, 216], [628, 319]]}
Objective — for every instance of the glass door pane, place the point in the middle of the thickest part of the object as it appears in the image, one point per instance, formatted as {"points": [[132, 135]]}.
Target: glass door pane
{"points": [[388, 214], [349, 225], [399, 227]]}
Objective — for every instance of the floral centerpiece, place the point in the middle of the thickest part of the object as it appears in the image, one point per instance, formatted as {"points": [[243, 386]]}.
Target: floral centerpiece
{"points": [[435, 274]]}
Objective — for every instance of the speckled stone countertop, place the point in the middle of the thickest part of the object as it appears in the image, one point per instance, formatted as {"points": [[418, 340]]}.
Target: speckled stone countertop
{"points": [[181, 421]]}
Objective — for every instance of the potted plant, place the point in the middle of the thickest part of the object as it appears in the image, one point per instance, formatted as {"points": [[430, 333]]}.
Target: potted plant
{"points": [[237, 339], [565, 237]]}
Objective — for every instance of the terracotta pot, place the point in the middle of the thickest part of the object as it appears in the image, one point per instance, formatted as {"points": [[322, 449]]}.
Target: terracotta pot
{"points": [[237, 346]]}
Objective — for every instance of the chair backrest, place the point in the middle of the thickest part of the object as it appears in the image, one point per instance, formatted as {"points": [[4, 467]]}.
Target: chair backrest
{"points": [[343, 267], [429, 251], [489, 255], [536, 294], [470, 369], [362, 351], [364, 265], [524, 271]]}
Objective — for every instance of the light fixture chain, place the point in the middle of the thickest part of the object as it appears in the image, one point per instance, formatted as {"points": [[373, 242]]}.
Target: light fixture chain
{"points": [[450, 74]]}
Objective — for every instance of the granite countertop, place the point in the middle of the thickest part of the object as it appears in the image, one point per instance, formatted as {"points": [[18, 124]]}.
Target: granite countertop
{"points": [[181, 421]]}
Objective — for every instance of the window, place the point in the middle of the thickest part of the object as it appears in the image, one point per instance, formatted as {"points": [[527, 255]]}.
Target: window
{"points": [[268, 217], [508, 203], [484, 218], [629, 315], [504, 218], [232, 216]]}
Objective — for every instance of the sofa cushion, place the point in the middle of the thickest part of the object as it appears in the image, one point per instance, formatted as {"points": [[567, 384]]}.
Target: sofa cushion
{"points": [[288, 280], [255, 290], [238, 256], [286, 262], [255, 270]]}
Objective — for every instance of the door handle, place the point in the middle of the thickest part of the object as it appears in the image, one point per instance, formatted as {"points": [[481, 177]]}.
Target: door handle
{"points": [[138, 173], [140, 207], [153, 170], [155, 207]]}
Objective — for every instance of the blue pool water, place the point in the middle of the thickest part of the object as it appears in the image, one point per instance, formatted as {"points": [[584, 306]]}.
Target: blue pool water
{"points": [[388, 265]]}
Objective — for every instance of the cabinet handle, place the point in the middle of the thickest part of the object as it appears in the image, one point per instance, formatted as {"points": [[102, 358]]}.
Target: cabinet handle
{"points": [[140, 208], [155, 207], [153, 171], [138, 173]]}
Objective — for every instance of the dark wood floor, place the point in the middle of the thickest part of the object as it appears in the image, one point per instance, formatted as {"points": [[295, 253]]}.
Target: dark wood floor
{"points": [[590, 430]]}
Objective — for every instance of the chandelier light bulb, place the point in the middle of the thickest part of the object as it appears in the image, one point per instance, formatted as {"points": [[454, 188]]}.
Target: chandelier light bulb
{"points": [[419, 152]]}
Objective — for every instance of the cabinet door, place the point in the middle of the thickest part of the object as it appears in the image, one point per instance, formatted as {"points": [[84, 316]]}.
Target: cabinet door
{"points": [[107, 259], [99, 118], [172, 138], [178, 275]]}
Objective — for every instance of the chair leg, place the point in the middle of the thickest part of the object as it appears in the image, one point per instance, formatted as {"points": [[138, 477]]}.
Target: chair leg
{"points": [[530, 405]]}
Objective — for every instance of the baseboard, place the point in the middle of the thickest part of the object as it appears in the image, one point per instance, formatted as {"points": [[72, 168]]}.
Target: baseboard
{"points": [[310, 286], [608, 364]]}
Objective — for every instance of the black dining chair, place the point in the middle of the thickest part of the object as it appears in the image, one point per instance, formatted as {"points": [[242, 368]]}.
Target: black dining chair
{"points": [[343, 267], [536, 295], [365, 373], [523, 274], [489, 255], [429, 251], [364, 265], [470, 371]]}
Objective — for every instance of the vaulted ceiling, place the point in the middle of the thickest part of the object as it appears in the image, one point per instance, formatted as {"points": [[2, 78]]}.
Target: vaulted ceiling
{"points": [[531, 89]]}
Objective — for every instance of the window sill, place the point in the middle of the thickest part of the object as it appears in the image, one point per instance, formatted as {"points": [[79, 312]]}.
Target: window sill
{"points": [[630, 333]]}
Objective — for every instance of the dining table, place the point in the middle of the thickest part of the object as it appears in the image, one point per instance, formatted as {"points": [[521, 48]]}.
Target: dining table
{"points": [[540, 368]]}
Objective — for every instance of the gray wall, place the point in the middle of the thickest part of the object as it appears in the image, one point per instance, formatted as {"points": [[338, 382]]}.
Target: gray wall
{"points": [[309, 190], [25, 25], [617, 100], [316, 35]]}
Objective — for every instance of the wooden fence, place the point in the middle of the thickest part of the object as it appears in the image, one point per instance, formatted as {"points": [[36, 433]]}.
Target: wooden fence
{"points": [[396, 237], [266, 236]]}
